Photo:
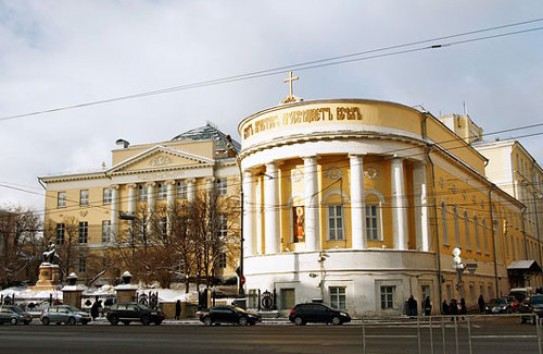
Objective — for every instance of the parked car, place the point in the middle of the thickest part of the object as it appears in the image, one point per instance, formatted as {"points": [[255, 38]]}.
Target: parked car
{"points": [[499, 306], [37, 310], [66, 314], [14, 315], [228, 314], [317, 313], [131, 311], [533, 306]]}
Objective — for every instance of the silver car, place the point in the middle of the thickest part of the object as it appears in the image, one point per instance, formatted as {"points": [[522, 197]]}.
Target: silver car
{"points": [[65, 314], [14, 315]]}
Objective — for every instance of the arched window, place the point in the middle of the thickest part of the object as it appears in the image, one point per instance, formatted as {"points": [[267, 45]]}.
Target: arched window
{"points": [[373, 217], [477, 237], [486, 247], [466, 230], [444, 223], [456, 227]]}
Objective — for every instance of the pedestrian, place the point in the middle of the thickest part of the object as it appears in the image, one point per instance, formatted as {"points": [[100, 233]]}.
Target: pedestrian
{"points": [[412, 310], [463, 308], [178, 310], [453, 309], [95, 309], [427, 306], [481, 302], [445, 309]]}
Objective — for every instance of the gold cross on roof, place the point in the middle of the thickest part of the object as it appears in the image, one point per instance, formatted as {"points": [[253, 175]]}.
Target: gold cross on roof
{"points": [[290, 79]]}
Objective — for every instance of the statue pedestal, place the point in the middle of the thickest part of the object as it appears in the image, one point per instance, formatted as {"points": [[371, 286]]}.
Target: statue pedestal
{"points": [[49, 278], [126, 292]]}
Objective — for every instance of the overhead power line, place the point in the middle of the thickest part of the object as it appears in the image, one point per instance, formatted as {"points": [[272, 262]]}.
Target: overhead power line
{"points": [[337, 60]]}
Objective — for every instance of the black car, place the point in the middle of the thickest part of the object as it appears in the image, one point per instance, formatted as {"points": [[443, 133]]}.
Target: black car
{"points": [[130, 312], [228, 314], [317, 313], [532, 306], [14, 315]]}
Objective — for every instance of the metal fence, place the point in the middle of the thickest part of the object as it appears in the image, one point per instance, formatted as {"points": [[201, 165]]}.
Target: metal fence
{"points": [[432, 333]]}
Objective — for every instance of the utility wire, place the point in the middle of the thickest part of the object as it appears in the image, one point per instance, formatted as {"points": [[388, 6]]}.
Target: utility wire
{"points": [[300, 66]]}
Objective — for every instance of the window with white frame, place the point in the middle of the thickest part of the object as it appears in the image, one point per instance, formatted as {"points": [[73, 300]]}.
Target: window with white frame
{"points": [[142, 192], [485, 238], [456, 226], [222, 186], [83, 231], [59, 231], [182, 189], [372, 222], [162, 190], [84, 197], [106, 231], [477, 235], [387, 296], [338, 297], [222, 225], [335, 223], [107, 196], [163, 226], [61, 200], [82, 264]]}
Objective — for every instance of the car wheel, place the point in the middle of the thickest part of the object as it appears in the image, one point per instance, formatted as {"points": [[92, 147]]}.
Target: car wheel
{"points": [[14, 321], [207, 321], [45, 321], [114, 320], [242, 321], [71, 321], [336, 321], [298, 321], [145, 320]]}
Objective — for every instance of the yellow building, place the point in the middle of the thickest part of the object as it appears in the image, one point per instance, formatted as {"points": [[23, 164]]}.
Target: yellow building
{"points": [[360, 203], [100, 207]]}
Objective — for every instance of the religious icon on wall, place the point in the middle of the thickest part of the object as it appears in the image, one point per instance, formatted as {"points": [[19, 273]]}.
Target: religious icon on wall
{"points": [[299, 220]]}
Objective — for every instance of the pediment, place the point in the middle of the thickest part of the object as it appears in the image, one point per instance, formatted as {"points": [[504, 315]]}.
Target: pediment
{"points": [[158, 158]]}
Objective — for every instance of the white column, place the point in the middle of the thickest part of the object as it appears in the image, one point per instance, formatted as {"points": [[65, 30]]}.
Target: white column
{"points": [[258, 206], [150, 204], [114, 212], [247, 214], [399, 214], [191, 190], [421, 207], [358, 203], [312, 242], [132, 198], [170, 201], [270, 209]]}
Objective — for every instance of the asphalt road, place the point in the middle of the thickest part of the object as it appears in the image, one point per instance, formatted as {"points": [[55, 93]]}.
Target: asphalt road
{"points": [[166, 339]]}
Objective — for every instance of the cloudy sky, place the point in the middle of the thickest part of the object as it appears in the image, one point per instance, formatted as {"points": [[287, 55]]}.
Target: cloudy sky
{"points": [[62, 53]]}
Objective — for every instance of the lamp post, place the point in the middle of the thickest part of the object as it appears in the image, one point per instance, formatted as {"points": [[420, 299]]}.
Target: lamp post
{"points": [[459, 267]]}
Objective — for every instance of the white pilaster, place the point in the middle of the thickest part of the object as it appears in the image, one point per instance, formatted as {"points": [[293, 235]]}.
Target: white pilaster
{"points": [[257, 210], [150, 204], [358, 202], [399, 214], [247, 214], [421, 207], [170, 201], [114, 212], [312, 241], [271, 209], [132, 188]]}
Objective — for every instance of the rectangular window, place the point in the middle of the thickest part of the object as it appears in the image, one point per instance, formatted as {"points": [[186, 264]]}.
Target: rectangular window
{"points": [[60, 229], [338, 299], [163, 226], [83, 231], [335, 223], [222, 186], [222, 260], [107, 196], [387, 297], [222, 225], [252, 299], [182, 190], [106, 231], [82, 265], [84, 197], [372, 222], [162, 190], [142, 193], [61, 200]]}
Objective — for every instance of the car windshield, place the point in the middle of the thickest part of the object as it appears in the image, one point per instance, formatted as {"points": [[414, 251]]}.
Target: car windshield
{"points": [[143, 307], [17, 309], [73, 309], [501, 302], [538, 300]]}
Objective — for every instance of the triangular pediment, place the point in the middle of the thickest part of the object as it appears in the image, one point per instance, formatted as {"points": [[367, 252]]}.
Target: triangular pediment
{"points": [[160, 157]]}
